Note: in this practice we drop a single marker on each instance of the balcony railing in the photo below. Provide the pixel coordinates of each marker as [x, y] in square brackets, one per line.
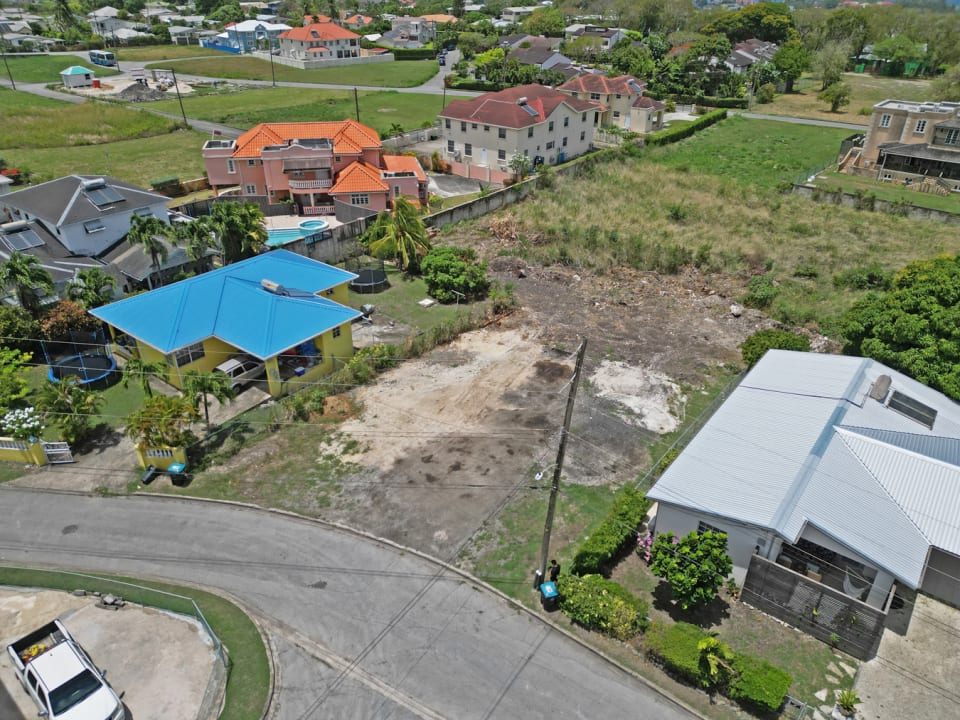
[318, 210]
[310, 184]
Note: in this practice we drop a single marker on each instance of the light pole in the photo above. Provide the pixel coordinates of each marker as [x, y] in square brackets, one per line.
[3, 52]
[176, 87]
[262, 35]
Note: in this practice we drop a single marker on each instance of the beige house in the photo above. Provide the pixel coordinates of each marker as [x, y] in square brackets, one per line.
[910, 143]
[624, 105]
[481, 136]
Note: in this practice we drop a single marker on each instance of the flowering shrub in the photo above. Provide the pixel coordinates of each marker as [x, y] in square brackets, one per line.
[600, 604]
[23, 423]
[644, 544]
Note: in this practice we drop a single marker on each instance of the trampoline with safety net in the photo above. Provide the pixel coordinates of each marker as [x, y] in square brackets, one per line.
[83, 357]
[371, 275]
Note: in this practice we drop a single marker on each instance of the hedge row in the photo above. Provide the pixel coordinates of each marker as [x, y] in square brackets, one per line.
[473, 84]
[411, 53]
[617, 531]
[711, 101]
[671, 136]
[755, 683]
[602, 605]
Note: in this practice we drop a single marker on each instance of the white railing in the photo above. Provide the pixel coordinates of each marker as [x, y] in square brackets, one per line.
[307, 184]
[318, 210]
[10, 444]
[159, 453]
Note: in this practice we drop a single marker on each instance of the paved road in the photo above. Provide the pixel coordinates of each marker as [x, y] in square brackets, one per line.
[802, 121]
[360, 629]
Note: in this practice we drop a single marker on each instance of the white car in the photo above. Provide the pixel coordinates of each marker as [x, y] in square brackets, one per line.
[241, 369]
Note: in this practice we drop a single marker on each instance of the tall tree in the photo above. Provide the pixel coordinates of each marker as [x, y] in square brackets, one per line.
[141, 371]
[28, 278]
[239, 228]
[830, 62]
[947, 86]
[399, 235]
[199, 387]
[836, 96]
[850, 26]
[791, 59]
[199, 238]
[63, 16]
[695, 566]
[92, 288]
[14, 385]
[150, 232]
[547, 21]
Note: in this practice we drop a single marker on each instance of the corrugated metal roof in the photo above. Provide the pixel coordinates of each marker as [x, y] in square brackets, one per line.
[800, 442]
[230, 304]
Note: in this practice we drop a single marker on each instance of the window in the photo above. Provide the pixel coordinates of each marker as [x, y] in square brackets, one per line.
[583, 135]
[501, 154]
[336, 332]
[251, 162]
[359, 199]
[564, 143]
[501, 133]
[594, 96]
[94, 226]
[618, 96]
[573, 94]
[550, 145]
[450, 146]
[250, 189]
[463, 127]
[583, 117]
[550, 126]
[473, 126]
[529, 132]
[885, 120]
[396, 191]
[446, 123]
[336, 158]
[704, 527]
[920, 127]
[566, 121]
[188, 354]
[952, 137]
[486, 128]
[616, 113]
[468, 149]
[231, 168]
[143, 212]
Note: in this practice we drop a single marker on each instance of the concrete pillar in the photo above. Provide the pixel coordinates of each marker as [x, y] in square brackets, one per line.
[880, 590]
[274, 384]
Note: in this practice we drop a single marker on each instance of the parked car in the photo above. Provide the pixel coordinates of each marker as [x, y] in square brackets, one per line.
[241, 369]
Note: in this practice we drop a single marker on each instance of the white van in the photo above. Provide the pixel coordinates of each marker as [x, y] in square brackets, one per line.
[241, 369]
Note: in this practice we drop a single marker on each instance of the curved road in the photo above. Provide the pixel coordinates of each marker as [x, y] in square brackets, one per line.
[360, 629]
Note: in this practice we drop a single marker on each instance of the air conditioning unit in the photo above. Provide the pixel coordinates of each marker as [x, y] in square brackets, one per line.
[503, 168]
[456, 156]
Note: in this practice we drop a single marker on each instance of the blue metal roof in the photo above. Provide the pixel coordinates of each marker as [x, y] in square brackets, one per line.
[76, 70]
[230, 304]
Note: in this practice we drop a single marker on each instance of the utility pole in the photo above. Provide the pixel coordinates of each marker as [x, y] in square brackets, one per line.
[356, 102]
[179, 99]
[558, 466]
[3, 51]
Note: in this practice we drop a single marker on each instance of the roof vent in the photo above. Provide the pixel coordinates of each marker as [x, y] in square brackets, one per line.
[521, 101]
[878, 390]
[273, 287]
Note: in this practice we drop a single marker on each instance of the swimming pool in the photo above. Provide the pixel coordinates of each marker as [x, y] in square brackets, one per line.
[282, 236]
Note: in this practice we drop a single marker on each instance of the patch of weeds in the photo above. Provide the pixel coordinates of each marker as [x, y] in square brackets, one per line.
[760, 292]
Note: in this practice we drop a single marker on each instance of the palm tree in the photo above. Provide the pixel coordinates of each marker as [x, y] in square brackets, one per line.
[63, 16]
[150, 232]
[161, 421]
[399, 235]
[70, 406]
[92, 288]
[28, 277]
[142, 371]
[715, 661]
[239, 228]
[198, 386]
[198, 239]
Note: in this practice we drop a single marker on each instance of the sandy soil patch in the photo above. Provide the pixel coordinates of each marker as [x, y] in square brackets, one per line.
[649, 395]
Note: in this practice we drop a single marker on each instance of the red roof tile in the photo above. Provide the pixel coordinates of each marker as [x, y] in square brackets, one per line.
[309, 19]
[604, 85]
[504, 108]
[403, 163]
[319, 31]
[359, 177]
[348, 136]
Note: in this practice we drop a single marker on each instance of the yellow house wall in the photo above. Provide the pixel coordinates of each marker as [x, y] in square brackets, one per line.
[25, 452]
[215, 352]
[339, 294]
[161, 458]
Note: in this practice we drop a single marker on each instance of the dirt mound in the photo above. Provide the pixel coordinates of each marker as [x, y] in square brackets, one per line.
[140, 93]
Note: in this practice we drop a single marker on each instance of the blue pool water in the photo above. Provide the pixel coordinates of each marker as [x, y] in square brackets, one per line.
[278, 237]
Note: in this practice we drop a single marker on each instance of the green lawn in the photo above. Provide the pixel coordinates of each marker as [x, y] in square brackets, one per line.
[248, 682]
[888, 191]
[756, 152]
[395, 74]
[152, 53]
[47, 68]
[247, 107]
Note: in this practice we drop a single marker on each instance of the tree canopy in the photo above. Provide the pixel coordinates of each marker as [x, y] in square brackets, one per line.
[915, 326]
[695, 566]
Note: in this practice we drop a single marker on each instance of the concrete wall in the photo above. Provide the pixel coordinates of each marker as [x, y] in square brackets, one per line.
[942, 577]
[327, 62]
[341, 245]
[851, 200]
[481, 206]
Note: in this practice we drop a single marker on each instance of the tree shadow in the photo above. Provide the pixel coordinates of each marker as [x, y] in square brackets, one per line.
[706, 617]
[100, 439]
[200, 452]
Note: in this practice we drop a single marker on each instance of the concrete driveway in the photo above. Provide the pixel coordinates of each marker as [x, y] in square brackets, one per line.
[915, 675]
[360, 628]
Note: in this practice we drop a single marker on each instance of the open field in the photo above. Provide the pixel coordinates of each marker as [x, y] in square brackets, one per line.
[245, 108]
[47, 68]
[395, 74]
[152, 53]
[887, 191]
[866, 91]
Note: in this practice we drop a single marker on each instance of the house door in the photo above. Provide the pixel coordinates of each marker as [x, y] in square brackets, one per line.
[626, 121]
[483, 156]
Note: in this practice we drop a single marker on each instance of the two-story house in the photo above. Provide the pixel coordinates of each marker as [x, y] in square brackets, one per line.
[911, 142]
[624, 104]
[247, 36]
[312, 165]
[409, 32]
[516, 15]
[605, 38]
[319, 41]
[481, 136]
[745, 54]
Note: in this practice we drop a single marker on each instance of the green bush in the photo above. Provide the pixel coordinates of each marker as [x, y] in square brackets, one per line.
[474, 84]
[602, 605]
[754, 347]
[453, 273]
[760, 292]
[766, 93]
[619, 528]
[676, 647]
[410, 53]
[757, 684]
[864, 277]
[666, 137]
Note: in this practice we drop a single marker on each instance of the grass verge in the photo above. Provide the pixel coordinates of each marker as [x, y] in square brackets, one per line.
[47, 68]
[395, 74]
[248, 682]
[152, 53]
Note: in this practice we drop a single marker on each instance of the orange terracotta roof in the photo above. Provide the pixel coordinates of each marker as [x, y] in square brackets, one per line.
[348, 136]
[403, 163]
[440, 18]
[319, 31]
[359, 177]
[309, 19]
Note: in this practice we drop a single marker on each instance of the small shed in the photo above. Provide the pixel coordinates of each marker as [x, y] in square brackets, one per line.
[77, 76]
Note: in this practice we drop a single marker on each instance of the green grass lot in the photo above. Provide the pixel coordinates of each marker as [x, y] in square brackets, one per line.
[866, 91]
[887, 191]
[247, 107]
[248, 682]
[395, 74]
[47, 68]
[152, 53]
[712, 199]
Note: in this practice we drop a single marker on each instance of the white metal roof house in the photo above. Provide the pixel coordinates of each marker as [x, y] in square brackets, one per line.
[838, 468]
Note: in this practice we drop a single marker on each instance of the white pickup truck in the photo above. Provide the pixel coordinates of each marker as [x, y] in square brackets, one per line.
[61, 678]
